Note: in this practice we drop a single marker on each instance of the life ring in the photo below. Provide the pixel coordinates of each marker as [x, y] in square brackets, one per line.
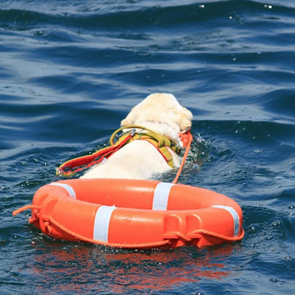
[135, 213]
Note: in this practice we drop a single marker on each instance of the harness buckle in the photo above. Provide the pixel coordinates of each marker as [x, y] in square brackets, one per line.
[132, 133]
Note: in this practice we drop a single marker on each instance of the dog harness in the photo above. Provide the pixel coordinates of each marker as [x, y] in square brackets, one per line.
[161, 142]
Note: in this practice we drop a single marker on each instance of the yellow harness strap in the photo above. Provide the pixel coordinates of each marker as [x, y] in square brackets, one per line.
[161, 142]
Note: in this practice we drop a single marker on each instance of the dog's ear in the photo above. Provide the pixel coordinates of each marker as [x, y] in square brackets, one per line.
[126, 122]
[185, 119]
[131, 117]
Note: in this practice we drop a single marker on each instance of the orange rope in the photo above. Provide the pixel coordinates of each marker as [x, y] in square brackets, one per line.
[27, 207]
[219, 236]
[190, 139]
[89, 240]
[207, 233]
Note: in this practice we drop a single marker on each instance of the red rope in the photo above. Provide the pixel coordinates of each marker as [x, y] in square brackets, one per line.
[190, 139]
[80, 163]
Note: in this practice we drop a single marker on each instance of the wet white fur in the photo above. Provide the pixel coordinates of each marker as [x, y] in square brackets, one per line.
[160, 112]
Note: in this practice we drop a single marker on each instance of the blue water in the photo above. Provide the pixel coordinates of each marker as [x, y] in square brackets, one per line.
[71, 70]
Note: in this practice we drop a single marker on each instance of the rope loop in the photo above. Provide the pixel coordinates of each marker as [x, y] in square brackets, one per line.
[24, 208]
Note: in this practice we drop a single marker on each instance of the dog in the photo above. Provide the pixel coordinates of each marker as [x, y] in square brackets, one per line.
[160, 113]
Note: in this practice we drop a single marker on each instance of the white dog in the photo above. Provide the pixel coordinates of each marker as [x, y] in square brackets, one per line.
[140, 159]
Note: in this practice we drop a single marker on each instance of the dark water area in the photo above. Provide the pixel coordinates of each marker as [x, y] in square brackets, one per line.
[69, 73]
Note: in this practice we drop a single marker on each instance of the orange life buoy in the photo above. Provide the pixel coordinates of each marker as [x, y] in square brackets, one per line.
[135, 213]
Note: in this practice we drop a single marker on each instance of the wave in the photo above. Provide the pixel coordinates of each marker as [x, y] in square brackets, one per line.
[141, 15]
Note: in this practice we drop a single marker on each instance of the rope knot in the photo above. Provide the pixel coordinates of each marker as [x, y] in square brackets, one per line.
[182, 236]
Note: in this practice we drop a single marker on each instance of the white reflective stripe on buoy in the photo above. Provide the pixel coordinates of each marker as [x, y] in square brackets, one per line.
[235, 216]
[68, 188]
[161, 195]
[102, 223]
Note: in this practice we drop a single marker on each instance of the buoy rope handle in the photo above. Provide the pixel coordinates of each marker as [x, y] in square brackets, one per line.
[50, 220]
[190, 139]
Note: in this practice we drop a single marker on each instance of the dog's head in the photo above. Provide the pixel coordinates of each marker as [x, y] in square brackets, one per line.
[160, 108]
